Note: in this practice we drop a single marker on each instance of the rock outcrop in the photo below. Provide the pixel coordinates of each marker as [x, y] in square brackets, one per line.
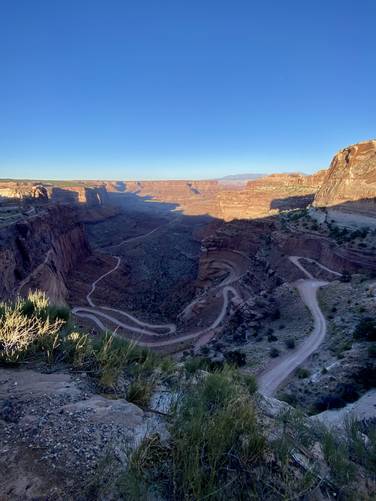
[259, 198]
[21, 190]
[268, 195]
[91, 193]
[92, 196]
[38, 252]
[350, 182]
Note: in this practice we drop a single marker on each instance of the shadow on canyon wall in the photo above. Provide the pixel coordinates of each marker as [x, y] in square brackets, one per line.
[332, 250]
[24, 243]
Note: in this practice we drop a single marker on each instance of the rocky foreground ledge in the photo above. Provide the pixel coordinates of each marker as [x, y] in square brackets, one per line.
[59, 439]
[55, 430]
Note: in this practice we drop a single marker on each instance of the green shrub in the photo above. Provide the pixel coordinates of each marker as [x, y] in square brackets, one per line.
[290, 343]
[139, 392]
[302, 373]
[36, 303]
[148, 473]
[58, 312]
[250, 382]
[193, 364]
[336, 455]
[366, 329]
[77, 348]
[112, 356]
[274, 353]
[290, 398]
[23, 334]
[215, 444]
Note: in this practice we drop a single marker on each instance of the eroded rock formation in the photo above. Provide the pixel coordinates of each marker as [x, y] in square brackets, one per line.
[261, 197]
[350, 182]
[39, 251]
[91, 193]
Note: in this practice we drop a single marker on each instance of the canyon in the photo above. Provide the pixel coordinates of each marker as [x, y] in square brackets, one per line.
[211, 273]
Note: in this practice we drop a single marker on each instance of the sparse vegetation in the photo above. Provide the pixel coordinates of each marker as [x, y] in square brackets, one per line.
[215, 444]
[139, 392]
[217, 447]
[290, 343]
[302, 373]
[32, 328]
[274, 352]
[23, 333]
[366, 329]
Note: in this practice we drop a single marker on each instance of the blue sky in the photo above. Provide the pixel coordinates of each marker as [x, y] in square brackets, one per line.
[116, 89]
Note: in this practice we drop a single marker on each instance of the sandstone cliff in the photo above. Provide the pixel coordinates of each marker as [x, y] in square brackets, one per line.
[92, 193]
[350, 182]
[259, 198]
[266, 196]
[93, 196]
[39, 251]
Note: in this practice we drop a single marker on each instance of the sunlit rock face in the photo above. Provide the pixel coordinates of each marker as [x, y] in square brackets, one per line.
[21, 190]
[258, 198]
[269, 195]
[350, 183]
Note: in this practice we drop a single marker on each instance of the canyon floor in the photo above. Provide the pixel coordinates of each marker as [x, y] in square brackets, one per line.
[285, 294]
[198, 287]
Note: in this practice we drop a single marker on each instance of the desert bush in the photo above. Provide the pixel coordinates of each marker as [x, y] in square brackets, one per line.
[22, 333]
[343, 394]
[326, 402]
[77, 348]
[194, 364]
[139, 391]
[290, 398]
[149, 470]
[215, 444]
[112, 356]
[58, 312]
[336, 455]
[167, 365]
[290, 343]
[365, 330]
[302, 373]
[250, 382]
[274, 353]
[37, 304]
[236, 358]
[361, 450]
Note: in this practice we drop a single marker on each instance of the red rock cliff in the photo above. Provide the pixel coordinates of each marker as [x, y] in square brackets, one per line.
[39, 251]
[350, 182]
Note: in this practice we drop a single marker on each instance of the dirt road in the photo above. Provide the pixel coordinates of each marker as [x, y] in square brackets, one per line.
[282, 367]
[162, 334]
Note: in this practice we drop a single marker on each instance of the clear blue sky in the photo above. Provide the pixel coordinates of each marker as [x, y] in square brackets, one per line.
[140, 89]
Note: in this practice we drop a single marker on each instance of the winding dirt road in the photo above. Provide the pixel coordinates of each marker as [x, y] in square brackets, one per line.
[162, 334]
[280, 369]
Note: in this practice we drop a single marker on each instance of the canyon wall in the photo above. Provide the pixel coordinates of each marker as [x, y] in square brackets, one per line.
[268, 195]
[93, 194]
[326, 251]
[259, 198]
[350, 182]
[39, 252]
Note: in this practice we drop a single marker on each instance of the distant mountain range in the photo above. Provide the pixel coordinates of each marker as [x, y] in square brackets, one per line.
[241, 177]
